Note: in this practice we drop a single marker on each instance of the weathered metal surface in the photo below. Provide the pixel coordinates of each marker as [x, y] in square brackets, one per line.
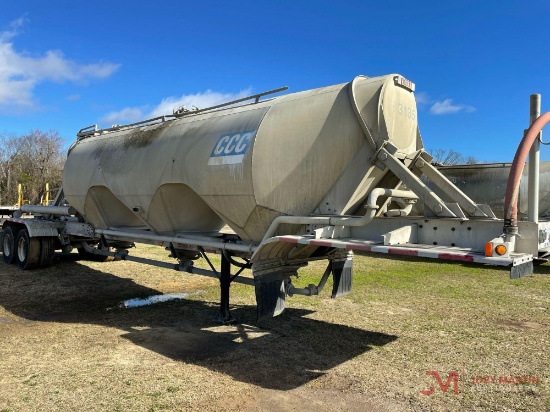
[466, 255]
[298, 154]
[486, 183]
[36, 227]
[51, 210]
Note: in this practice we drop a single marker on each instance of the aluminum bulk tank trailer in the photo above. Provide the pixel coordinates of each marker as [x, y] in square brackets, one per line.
[294, 155]
[300, 177]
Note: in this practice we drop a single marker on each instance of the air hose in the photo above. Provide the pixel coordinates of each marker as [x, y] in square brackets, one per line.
[514, 179]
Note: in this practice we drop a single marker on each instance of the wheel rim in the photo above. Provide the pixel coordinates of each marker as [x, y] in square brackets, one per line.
[6, 247]
[22, 249]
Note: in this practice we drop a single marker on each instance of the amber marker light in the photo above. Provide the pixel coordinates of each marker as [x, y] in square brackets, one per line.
[488, 249]
[501, 250]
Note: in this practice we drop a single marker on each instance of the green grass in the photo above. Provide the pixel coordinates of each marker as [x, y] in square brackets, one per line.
[446, 315]
[62, 350]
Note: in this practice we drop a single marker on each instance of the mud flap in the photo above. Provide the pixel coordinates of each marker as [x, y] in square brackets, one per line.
[342, 277]
[521, 270]
[270, 293]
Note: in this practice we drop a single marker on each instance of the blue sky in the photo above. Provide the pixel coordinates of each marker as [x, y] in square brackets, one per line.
[65, 65]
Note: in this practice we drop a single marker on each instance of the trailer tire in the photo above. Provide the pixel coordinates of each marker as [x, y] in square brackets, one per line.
[27, 250]
[8, 245]
[47, 252]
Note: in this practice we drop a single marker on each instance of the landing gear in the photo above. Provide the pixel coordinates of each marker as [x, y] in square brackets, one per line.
[225, 317]
[224, 275]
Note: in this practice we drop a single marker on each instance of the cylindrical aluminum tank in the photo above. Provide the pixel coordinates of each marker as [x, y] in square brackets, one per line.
[298, 154]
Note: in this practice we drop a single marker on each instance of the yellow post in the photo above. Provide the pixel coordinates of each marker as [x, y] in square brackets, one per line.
[19, 195]
[47, 196]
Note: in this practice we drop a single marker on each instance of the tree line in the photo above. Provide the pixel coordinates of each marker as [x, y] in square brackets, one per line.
[32, 160]
[450, 157]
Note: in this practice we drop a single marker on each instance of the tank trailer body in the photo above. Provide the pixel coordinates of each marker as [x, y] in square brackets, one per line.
[486, 182]
[306, 176]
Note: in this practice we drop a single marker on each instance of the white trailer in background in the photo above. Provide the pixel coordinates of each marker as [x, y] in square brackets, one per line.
[301, 177]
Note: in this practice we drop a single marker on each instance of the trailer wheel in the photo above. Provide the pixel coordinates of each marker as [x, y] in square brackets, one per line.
[47, 252]
[27, 250]
[8, 245]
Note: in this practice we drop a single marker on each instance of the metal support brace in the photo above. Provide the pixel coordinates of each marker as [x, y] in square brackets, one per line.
[205, 257]
[399, 185]
[225, 282]
[434, 202]
[449, 189]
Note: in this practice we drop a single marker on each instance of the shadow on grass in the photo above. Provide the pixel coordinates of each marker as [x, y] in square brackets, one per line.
[543, 269]
[281, 353]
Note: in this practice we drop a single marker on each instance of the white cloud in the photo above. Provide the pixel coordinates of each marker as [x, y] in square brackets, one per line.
[127, 115]
[422, 98]
[201, 100]
[20, 72]
[13, 31]
[447, 107]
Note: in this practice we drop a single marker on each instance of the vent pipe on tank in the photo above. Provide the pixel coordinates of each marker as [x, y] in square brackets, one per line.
[534, 163]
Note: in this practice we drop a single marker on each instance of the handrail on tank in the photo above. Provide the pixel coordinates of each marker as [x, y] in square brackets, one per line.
[371, 207]
[243, 99]
[83, 133]
[85, 130]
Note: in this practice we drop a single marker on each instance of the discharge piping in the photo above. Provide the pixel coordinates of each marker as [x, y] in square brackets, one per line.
[514, 179]
[49, 210]
[399, 212]
[371, 207]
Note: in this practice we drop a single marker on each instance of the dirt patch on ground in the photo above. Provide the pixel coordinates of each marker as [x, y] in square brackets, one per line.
[68, 345]
[522, 325]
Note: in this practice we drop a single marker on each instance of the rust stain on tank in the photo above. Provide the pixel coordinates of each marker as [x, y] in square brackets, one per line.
[143, 137]
[114, 151]
[137, 139]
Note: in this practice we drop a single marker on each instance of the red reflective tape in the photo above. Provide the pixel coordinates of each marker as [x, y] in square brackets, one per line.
[452, 256]
[405, 252]
[288, 239]
[352, 246]
[321, 243]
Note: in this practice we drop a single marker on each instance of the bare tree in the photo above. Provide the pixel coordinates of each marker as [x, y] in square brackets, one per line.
[7, 152]
[32, 160]
[449, 157]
